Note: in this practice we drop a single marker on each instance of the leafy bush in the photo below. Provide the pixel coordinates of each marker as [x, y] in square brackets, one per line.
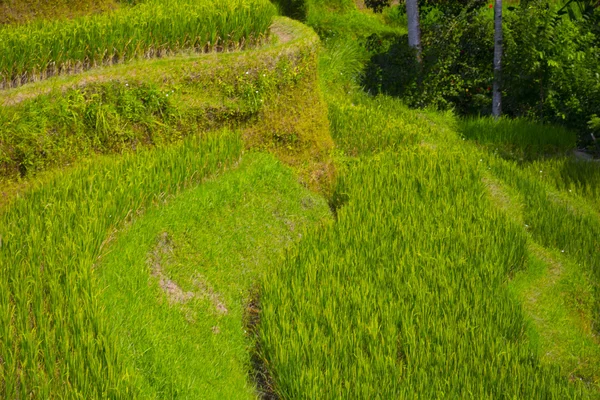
[550, 64]
[292, 8]
[377, 5]
[454, 73]
[551, 68]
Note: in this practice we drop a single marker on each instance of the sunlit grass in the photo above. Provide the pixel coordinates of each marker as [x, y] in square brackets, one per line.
[213, 241]
[150, 29]
[407, 292]
[55, 341]
[519, 139]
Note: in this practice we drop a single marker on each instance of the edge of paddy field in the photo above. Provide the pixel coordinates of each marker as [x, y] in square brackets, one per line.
[271, 94]
[222, 106]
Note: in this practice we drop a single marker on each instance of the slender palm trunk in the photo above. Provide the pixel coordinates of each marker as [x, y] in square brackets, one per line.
[414, 29]
[497, 94]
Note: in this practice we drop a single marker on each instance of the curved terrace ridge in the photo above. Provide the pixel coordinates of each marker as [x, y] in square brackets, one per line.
[282, 32]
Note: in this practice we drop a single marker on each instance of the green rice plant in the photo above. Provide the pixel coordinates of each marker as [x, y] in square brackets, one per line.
[54, 341]
[561, 211]
[152, 29]
[211, 242]
[271, 91]
[405, 295]
[577, 177]
[519, 139]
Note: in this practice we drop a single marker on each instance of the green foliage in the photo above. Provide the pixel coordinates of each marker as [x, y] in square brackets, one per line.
[519, 139]
[550, 65]
[271, 93]
[292, 8]
[152, 29]
[551, 68]
[594, 123]
[55, 337]
[426, 285]
[66, 346]
[406, 293]
[559, 217]
[211, 243]
[58, 128]
[350, 119]
[377, 5]
[451, 8]
[454, 73]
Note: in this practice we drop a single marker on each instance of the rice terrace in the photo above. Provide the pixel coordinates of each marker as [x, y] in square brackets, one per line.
[300, 199]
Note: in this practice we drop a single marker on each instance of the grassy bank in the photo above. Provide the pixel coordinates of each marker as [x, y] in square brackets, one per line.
[270, 93]
[191, 267]
[455, 268]
[23, 11]
[151, 29]
[409, 291]
[461, 260]
[55, 341]
[165, 120]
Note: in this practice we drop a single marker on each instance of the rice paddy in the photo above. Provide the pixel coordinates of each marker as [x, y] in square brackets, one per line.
[43, 49]
[444, 258]
[409, 294]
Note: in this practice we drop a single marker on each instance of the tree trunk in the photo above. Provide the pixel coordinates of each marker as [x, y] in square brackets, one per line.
[497, 94]
[414, 29]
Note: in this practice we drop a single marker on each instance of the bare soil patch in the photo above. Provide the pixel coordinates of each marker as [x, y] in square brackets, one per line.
[161, 255]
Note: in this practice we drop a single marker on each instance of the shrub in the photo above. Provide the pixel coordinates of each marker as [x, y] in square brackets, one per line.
[377, 5]
[292, 8]
[550, 65]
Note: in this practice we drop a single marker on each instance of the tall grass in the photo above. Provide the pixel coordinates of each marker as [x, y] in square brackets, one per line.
[153, 29]
[222, 235]
[53, 344]
[561, 211]
[405, 297]
[519, 138]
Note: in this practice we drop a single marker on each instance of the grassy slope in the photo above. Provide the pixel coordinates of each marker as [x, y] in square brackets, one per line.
[55, 339]
[445, 258]
[222, 236]
[460, 287]
[271, 93]
[64, 346]
[353, 330]
[19, 11]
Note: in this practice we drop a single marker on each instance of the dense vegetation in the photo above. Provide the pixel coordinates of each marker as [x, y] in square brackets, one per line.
[267, 223]
[21, 11]
[35, 51]
[154, 103]
[55, 341]
[409, 292]
[550, 62]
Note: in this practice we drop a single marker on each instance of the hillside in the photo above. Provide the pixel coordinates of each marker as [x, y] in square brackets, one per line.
[21, 11]
[245, 220]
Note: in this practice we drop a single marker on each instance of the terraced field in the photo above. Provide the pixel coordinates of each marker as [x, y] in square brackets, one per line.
[181, 221]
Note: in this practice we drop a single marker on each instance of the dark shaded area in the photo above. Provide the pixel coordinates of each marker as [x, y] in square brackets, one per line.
[260, 374]
[454, 72]
[295, 9]
[550, 64]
